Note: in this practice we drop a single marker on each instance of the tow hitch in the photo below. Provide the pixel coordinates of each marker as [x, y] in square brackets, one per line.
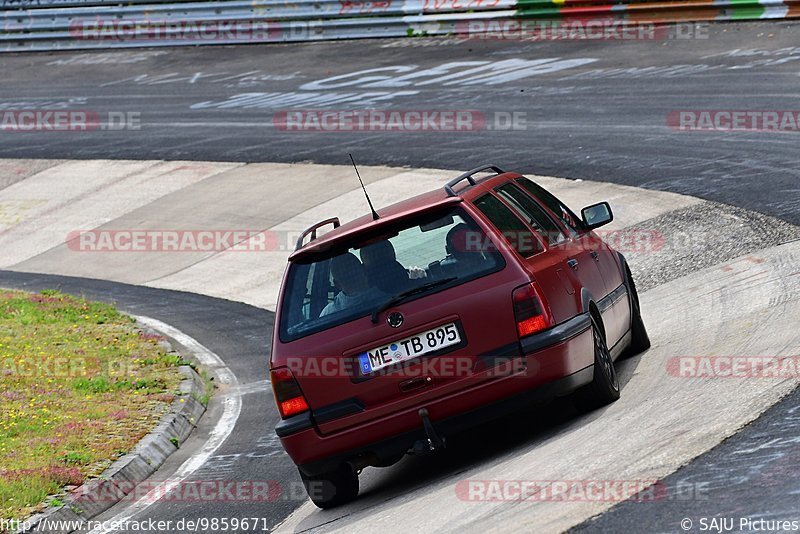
[434, 441]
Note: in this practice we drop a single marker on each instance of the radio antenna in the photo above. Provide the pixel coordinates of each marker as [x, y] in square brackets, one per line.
[375, 216]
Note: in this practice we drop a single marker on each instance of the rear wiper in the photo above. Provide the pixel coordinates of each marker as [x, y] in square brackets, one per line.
[400, 297]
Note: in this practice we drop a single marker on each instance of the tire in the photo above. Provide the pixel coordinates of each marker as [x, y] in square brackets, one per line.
[640, 341]
[604, 388]
[333, 488]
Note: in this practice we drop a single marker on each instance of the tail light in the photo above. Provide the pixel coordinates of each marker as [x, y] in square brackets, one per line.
[530, 310]
[287, 393]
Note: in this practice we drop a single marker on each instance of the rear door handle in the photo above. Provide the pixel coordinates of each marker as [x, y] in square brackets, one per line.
[573, 263]
[415, 383]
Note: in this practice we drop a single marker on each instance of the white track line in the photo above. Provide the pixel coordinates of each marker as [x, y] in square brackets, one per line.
[232, 407]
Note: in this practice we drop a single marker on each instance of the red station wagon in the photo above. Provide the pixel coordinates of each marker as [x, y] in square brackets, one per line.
[439, 313]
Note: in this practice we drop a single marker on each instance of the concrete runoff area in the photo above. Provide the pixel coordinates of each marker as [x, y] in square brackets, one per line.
[663, 234]
[279, 198]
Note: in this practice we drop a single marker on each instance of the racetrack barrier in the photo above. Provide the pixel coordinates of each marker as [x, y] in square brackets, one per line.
[85, 24]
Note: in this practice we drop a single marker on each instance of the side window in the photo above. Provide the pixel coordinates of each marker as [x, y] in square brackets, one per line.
[513, 229]
[560, 210]
[533, 213]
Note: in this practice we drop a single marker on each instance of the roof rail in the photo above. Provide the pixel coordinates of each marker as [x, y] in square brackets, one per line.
[313, 230]
[468, 176]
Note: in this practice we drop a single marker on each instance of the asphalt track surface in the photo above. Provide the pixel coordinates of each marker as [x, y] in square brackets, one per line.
[754, 475]
[594, 110]
[604, 119]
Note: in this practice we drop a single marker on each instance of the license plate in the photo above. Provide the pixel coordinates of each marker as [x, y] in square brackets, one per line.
[409, 348]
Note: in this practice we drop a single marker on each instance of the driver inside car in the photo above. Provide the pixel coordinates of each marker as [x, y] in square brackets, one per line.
[384, 271]
[463, 256]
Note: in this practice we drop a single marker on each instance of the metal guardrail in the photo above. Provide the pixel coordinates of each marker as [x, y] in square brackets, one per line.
[239, 10]
[87, 24]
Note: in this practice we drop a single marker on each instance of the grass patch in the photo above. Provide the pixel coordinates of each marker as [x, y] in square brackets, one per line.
[208, 382]
[79, 386]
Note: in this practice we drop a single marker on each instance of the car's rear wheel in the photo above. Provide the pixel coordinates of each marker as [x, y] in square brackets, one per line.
[332, 488]
[640, 341]
[604, 388]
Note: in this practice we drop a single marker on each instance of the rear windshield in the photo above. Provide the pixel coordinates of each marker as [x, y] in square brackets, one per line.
[351, 282]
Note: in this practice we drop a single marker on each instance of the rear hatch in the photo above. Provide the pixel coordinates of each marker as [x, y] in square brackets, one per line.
[394, 318]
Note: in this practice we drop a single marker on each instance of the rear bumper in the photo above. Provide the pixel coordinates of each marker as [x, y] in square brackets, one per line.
[402, 443]
[558, 361]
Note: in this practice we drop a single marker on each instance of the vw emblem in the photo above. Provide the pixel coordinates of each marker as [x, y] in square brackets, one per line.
[395, 319]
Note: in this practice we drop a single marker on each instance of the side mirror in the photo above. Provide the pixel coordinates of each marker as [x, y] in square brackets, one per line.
[597, 215]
